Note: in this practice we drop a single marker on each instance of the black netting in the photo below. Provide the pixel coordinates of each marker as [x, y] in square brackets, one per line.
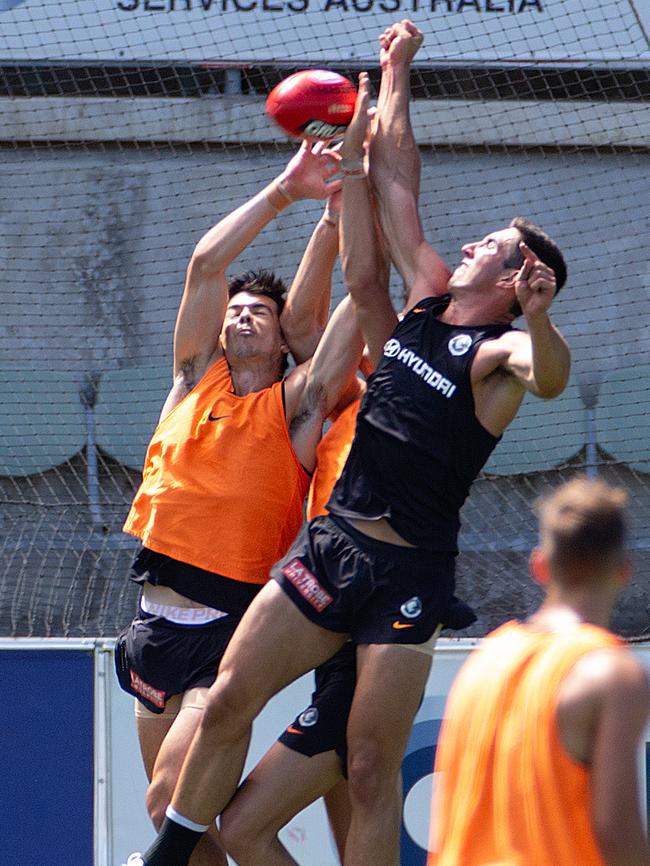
[127, 129]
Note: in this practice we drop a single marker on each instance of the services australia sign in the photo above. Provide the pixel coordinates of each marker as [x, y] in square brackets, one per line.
[309, 31]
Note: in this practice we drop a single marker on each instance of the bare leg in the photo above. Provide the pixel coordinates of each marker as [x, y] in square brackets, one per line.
[390, 682]
[337, 803]
[164, 741]
[152, 730]
[273, 645]
[281, 785]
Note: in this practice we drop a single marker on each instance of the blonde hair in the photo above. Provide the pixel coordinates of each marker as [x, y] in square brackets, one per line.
[583, 526]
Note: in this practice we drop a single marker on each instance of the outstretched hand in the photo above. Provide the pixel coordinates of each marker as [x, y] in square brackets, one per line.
[356, 134]
[535, 284]
[309, 172]
[400, 43]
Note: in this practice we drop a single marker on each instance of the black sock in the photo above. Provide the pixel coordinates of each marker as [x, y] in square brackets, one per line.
[173, 846]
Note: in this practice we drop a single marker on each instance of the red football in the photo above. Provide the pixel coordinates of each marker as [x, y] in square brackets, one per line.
[314, 103]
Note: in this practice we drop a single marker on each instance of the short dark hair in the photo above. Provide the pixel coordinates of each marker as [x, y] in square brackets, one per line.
[260, 282]
[544, 248]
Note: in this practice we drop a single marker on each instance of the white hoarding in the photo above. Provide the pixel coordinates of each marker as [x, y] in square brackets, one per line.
[319, 31]
[307, 835]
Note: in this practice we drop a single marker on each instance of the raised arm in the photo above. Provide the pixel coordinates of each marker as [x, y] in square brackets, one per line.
[364, 267]
[542, 362]
[202, 309]
[314, 389]
[395, 169]
[304, 317]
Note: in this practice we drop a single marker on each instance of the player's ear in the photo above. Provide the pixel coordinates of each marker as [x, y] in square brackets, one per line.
[508, 279]
[538, 565]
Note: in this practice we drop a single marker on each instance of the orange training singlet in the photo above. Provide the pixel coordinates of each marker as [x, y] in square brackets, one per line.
[508, 793]
[331, 454]
[222, 488]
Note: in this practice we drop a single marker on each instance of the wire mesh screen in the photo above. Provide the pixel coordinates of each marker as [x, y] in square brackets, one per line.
[128, 128]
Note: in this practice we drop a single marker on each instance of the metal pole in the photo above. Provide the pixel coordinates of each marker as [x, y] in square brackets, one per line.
[591, 455]
[232, 81]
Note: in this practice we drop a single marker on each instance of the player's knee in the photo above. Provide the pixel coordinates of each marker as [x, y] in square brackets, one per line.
[228, 710]
[369, 773]
[242, 841]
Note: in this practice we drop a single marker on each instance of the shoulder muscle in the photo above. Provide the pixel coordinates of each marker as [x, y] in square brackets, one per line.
[603, 686]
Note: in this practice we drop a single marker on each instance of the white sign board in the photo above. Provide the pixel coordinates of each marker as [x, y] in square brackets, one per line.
[323, 31]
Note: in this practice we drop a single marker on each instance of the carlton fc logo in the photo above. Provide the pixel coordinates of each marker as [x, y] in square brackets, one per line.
[309, 717]
[460, 344]
[411, 608]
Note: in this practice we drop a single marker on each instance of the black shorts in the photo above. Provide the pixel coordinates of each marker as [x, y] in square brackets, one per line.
[377, 593]
[156, 659]
[322, 726]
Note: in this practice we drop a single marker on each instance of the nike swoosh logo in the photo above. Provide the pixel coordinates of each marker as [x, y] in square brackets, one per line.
[398, 624]
[212, 417]
[292, 730]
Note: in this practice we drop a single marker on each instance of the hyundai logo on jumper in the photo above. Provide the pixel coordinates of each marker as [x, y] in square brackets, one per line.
[393, 349]
[5, 5]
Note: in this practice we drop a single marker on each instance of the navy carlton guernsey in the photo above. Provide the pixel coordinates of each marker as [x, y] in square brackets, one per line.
[418, 445]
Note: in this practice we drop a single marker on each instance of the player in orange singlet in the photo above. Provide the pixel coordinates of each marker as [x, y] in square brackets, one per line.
[537, 758]
[209, 540]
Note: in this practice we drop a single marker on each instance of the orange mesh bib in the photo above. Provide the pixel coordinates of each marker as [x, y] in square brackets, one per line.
[222, 488]
[507, 793]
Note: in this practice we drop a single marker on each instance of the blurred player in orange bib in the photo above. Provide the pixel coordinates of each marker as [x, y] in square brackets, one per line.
[537, 764]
